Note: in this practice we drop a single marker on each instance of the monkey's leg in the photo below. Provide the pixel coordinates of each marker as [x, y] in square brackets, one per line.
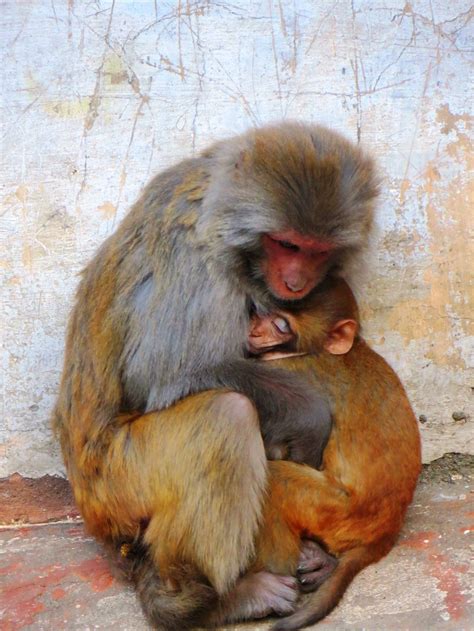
[211, 482]
[291, 511]
[197, 472]
[323, 601]
[304, 502]
[301, 503]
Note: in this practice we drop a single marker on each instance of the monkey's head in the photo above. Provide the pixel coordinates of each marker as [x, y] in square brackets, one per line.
[285, 205]
[329, 321]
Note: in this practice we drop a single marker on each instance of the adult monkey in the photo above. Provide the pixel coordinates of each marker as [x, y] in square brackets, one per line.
[257, 221]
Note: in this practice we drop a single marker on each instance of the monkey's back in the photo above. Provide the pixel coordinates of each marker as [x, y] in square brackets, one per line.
[373, 457]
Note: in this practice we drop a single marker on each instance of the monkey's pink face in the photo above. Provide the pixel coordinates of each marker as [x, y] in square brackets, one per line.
[293, 264]
[267, 332]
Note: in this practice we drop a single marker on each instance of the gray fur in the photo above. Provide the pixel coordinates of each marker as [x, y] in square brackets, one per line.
[185, 266]
[163, 311]
[179, 322]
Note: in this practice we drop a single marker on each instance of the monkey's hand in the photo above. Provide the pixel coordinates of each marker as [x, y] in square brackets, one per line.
[293, 415]
[304, 440]
[315, 566]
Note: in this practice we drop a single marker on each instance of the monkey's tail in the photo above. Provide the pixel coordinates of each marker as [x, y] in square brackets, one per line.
[322, 602]
[167, 609]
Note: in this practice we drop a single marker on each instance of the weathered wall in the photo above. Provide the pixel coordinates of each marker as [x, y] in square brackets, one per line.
[100, 95]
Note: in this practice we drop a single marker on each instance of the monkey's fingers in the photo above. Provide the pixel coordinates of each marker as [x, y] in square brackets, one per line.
[257, 595]
[315, 566]
[274, 593]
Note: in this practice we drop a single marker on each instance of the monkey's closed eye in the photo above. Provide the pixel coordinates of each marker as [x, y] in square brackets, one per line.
[282, 325]
[287, 245]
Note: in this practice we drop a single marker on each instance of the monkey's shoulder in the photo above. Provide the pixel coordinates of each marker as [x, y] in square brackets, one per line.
[174, 196]
[362, 369]
[362, 358]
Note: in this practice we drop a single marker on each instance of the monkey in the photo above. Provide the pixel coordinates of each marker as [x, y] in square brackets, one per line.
[329, 327]
[353, 485]
[354, 507]
[251, 224]
[283, 442]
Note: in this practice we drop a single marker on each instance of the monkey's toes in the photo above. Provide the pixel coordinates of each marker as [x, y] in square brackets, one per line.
[274, 593]
[310, 550]
[315, 566]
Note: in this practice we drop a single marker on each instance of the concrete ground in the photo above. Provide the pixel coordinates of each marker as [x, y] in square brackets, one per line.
[53, 576]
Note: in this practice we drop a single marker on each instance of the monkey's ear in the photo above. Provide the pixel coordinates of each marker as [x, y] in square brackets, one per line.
[341, 337]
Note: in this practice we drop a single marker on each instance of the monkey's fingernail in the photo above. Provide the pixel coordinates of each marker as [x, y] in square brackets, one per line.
[301, 569]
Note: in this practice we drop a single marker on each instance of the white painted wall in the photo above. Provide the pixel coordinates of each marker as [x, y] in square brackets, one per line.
[99, 95]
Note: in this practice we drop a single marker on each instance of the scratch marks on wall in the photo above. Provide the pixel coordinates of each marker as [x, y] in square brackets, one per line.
[101, 95]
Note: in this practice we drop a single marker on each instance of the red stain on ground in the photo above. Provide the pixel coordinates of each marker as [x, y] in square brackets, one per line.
[20, 605]
[77, 531]
[21, 601]
[442, 569]
[58, 593]
[448, 581]
[24, 532]
[454, 505]
[96, 572]
[420, 540]
[9, 569]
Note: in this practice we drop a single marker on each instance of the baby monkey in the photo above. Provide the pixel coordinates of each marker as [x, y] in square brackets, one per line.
[329, 322]
[284, 335]
[354, 507]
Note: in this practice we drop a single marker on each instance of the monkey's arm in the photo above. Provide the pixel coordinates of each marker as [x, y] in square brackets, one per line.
[295, 419]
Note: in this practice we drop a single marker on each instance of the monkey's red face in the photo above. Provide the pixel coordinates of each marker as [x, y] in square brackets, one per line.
[293, 264]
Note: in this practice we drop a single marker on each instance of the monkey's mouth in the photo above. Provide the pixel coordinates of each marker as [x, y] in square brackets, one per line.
[296, 294]
[289, 295]
[263, 349]
[280, 355]
[259, 348]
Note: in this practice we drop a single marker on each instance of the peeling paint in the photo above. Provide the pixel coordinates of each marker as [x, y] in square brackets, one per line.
[449, 120]
[108, 209]
[67, 109]
[98, 97]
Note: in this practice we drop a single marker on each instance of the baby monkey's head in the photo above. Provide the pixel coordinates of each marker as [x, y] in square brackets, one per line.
[328, 321]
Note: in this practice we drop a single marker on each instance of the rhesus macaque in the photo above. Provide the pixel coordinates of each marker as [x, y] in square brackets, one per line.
[356, 504]
[160, 326]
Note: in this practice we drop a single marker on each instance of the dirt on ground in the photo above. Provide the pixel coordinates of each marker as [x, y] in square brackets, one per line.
[449, 468]
[35, 500]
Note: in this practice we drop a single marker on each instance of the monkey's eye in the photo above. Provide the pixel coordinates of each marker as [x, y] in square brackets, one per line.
[282, 325]
[288, 246]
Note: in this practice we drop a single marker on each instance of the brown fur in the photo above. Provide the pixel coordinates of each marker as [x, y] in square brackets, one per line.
[357, 503]
[145, 334]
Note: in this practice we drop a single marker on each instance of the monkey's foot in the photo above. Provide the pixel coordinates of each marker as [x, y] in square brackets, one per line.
[259, 595]
[315, 566]
[272, 593]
